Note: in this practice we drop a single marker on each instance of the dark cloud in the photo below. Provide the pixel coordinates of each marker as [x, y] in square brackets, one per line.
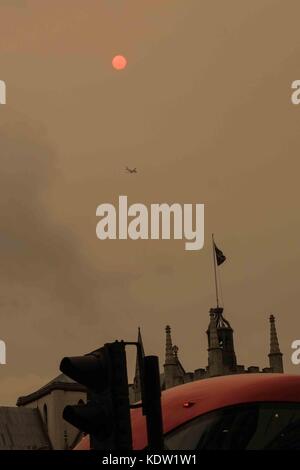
[49, 290]
[34, 249]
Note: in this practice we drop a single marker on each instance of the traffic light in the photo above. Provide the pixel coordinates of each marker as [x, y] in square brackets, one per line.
[106, 415]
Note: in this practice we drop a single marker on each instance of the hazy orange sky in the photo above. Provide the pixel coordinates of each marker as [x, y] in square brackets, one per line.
[203, 111]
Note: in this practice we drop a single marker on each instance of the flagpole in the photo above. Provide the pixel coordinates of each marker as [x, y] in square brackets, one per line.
[215, 270]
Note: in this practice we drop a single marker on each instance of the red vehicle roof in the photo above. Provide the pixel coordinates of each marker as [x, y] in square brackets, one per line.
[183, 403]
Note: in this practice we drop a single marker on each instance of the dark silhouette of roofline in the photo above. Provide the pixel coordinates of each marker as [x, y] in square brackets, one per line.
[73, 387]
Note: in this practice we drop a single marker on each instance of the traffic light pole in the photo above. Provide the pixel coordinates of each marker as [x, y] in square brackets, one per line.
[152, 403]
[120, 397]
[106, 415]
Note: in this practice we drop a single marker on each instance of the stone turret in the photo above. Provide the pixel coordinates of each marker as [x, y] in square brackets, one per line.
[225, 341]
[275, 355]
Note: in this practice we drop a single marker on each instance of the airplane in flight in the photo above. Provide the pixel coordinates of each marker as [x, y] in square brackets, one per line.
[131, 170]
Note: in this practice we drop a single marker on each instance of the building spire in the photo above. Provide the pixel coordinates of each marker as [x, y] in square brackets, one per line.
[140, 341]
[170, 357]
[275, 355]
[274, 344]
[137, 377]
[174, 372]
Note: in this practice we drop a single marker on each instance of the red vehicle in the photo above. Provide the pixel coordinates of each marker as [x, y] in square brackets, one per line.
[249, 411]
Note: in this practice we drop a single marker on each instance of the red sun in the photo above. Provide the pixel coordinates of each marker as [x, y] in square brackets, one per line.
[119, 62]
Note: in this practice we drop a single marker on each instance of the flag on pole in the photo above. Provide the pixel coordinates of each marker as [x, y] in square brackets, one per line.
[220, 257]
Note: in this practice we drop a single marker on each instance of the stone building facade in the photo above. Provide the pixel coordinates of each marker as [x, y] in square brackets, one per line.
[221, 356]
[49, 402]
